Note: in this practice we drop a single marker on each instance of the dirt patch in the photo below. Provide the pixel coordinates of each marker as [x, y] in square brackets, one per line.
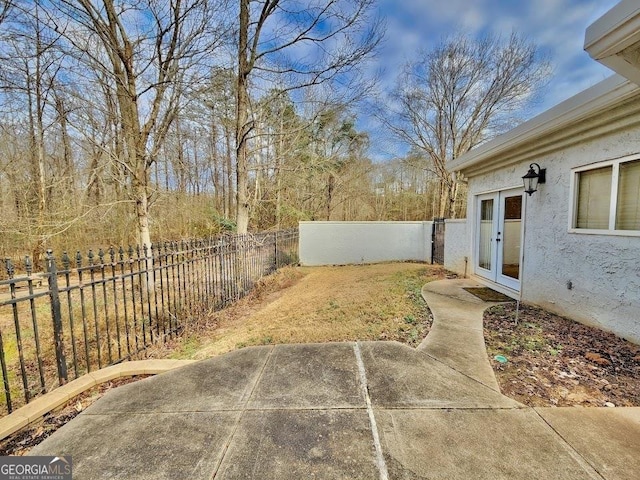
[554, 361]
[22, 441]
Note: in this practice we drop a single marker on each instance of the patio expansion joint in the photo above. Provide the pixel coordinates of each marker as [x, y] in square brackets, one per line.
[587, 466]
[380, 461]
[243, 409]
[303, 409]
[452, 408]
[425, 352]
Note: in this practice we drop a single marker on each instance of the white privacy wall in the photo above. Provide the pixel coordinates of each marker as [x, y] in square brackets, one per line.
[604, 270]
[456, 246]
[344, 243]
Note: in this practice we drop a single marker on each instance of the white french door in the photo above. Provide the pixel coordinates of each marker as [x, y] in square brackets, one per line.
[499, 231]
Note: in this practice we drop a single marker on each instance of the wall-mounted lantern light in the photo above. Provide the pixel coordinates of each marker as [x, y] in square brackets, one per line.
[533, 178]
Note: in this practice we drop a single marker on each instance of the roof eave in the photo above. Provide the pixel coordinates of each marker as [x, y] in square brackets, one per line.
[609, 39]
[614, 31]
[590, 103]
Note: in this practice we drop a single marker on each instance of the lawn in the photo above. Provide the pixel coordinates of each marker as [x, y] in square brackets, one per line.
[308, 305]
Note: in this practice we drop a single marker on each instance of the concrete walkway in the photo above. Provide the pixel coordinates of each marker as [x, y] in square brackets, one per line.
[370, 410]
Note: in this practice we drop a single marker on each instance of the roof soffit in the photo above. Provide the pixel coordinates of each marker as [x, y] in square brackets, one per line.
[614, 39]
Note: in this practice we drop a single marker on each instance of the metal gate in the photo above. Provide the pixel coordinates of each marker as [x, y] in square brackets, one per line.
[437, 241]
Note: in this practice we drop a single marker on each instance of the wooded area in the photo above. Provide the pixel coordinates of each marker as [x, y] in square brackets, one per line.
[137, 122]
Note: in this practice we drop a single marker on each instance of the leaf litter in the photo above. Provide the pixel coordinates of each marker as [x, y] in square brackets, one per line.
[555, 361]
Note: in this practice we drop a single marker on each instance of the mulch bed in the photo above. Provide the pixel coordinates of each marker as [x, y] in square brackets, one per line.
[554, 361]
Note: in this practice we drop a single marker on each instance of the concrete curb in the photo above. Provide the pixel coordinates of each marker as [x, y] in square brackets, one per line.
[46, 403]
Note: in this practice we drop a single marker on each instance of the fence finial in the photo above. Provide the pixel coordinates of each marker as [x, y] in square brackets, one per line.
[66, 261]
[8, 265]
[28, 265]
[49, 259]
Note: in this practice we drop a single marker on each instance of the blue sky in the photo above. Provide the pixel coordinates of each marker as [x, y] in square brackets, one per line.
[556, 26]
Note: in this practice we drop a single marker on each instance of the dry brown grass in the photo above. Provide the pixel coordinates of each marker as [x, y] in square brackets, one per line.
[307, 305]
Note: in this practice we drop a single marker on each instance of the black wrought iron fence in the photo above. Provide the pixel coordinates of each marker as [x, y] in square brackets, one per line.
[87, 312]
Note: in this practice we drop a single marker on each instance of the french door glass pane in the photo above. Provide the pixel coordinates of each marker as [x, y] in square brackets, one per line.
[594, 198]
[511, 236]
[628, 211]
[486, 230]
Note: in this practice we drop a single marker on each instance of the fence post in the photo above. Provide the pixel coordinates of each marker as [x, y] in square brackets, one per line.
[275, 251]
[56, 315]
[5, 377]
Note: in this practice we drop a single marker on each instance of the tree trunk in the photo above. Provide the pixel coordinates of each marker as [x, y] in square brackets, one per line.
[278, 176]
[242, 128]
[242, 175]
[443, 196]
[228, 199]
[67, 156]
[276, 171]
[36, 126]
[453, 195]
[330, 187]
[142, 211]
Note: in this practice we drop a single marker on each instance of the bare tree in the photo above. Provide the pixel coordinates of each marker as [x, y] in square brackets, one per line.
[461, 94]
[5, 8]
[32, 63]
[335, 36]
[218, 97]
[150, 50]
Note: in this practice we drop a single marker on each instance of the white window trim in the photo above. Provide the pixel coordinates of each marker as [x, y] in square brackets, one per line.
[573, 211]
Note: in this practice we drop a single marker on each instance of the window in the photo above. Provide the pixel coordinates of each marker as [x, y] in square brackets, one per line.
[628, 212]
[594, 198]
[607, 197]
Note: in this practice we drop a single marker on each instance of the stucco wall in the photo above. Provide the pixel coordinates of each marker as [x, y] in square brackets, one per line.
[343, 243]
[456, 252]
[604, 270]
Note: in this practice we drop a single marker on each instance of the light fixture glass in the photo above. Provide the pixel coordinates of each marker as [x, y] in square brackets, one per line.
[533, 178]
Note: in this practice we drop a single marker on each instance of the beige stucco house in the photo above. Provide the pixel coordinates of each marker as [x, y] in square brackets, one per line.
[572, 246]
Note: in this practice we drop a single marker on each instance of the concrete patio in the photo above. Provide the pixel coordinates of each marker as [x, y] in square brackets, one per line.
[363, 410]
